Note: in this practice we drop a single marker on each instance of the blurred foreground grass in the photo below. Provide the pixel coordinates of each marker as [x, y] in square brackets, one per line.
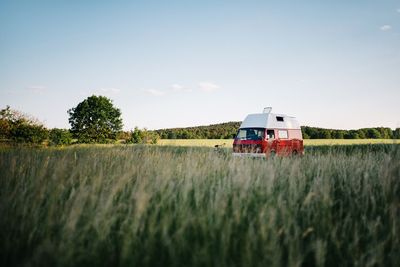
[175, 206]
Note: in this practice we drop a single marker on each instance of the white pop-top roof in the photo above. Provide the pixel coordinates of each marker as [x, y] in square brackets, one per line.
[270, 121]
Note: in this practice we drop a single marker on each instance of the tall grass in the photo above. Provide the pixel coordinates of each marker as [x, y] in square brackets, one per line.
[165, 206]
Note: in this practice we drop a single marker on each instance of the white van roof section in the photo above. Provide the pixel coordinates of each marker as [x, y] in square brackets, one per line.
[270, 121]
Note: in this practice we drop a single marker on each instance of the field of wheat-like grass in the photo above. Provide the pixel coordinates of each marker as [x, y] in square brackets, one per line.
[175, 206]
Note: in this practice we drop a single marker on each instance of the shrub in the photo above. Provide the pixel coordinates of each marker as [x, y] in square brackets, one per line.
[20, 127]
[144, 136]
[28, 133]
[5, 129]
[60, 137]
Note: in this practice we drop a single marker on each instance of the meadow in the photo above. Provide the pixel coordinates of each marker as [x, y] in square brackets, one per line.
[138, 205]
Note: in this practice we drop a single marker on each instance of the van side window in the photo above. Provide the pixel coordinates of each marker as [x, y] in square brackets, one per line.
[278, 118]
[283, 134]
[270, 134]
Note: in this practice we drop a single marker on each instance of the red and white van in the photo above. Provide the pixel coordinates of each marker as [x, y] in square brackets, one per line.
[265, 134]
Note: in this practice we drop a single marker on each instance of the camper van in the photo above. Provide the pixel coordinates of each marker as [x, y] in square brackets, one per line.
[267, 134]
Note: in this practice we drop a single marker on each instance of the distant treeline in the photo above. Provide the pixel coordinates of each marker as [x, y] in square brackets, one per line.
[225, 130]
[373, 133]
[17, 127]
[228, 130]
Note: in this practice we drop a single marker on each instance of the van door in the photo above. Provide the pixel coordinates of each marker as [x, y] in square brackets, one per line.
[271, 142]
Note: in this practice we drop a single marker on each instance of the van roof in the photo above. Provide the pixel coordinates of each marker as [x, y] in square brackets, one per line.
[270, 121]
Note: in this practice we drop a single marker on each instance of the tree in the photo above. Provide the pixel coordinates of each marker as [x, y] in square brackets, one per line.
[373, 133]
[337, 134]
[352, 134]
[171, 135]
[324, 134]
[396, 133]
[95, 120]
[386, 133]
[305, 135]
[362, 133]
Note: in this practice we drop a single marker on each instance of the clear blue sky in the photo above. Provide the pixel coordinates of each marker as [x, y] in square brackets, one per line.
[333, 64]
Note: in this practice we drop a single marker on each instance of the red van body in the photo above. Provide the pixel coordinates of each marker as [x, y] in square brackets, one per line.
[265, 134]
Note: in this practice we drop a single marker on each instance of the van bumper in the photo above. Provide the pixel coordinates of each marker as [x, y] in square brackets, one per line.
[249, 155]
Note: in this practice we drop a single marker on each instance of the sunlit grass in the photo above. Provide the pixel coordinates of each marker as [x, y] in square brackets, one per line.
[320, 142]
[174, 206]
[195, 142]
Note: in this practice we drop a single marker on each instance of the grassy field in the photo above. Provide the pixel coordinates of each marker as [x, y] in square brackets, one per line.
[307, 142]
[175, 206]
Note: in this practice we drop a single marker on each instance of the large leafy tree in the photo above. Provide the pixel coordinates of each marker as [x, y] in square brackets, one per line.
[95, 120]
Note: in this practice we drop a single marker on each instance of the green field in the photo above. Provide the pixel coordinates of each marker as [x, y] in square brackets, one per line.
[175, 206]
[307, 142]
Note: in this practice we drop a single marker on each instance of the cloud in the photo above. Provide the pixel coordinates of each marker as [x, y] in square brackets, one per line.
[155, 92]
[37, 89]
[208, 86]
[386, 28]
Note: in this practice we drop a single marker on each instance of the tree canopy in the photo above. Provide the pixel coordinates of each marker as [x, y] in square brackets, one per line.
[95, 120]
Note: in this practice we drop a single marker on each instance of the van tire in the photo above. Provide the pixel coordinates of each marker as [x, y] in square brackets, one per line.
[294, 153]
[272, 154]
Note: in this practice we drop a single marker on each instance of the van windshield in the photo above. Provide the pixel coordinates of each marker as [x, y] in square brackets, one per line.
[250, 134]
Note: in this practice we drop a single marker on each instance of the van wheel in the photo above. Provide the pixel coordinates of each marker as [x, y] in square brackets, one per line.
[294, 153]
[272, 154]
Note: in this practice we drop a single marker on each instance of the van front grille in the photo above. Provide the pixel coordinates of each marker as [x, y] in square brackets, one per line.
[251, 148]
